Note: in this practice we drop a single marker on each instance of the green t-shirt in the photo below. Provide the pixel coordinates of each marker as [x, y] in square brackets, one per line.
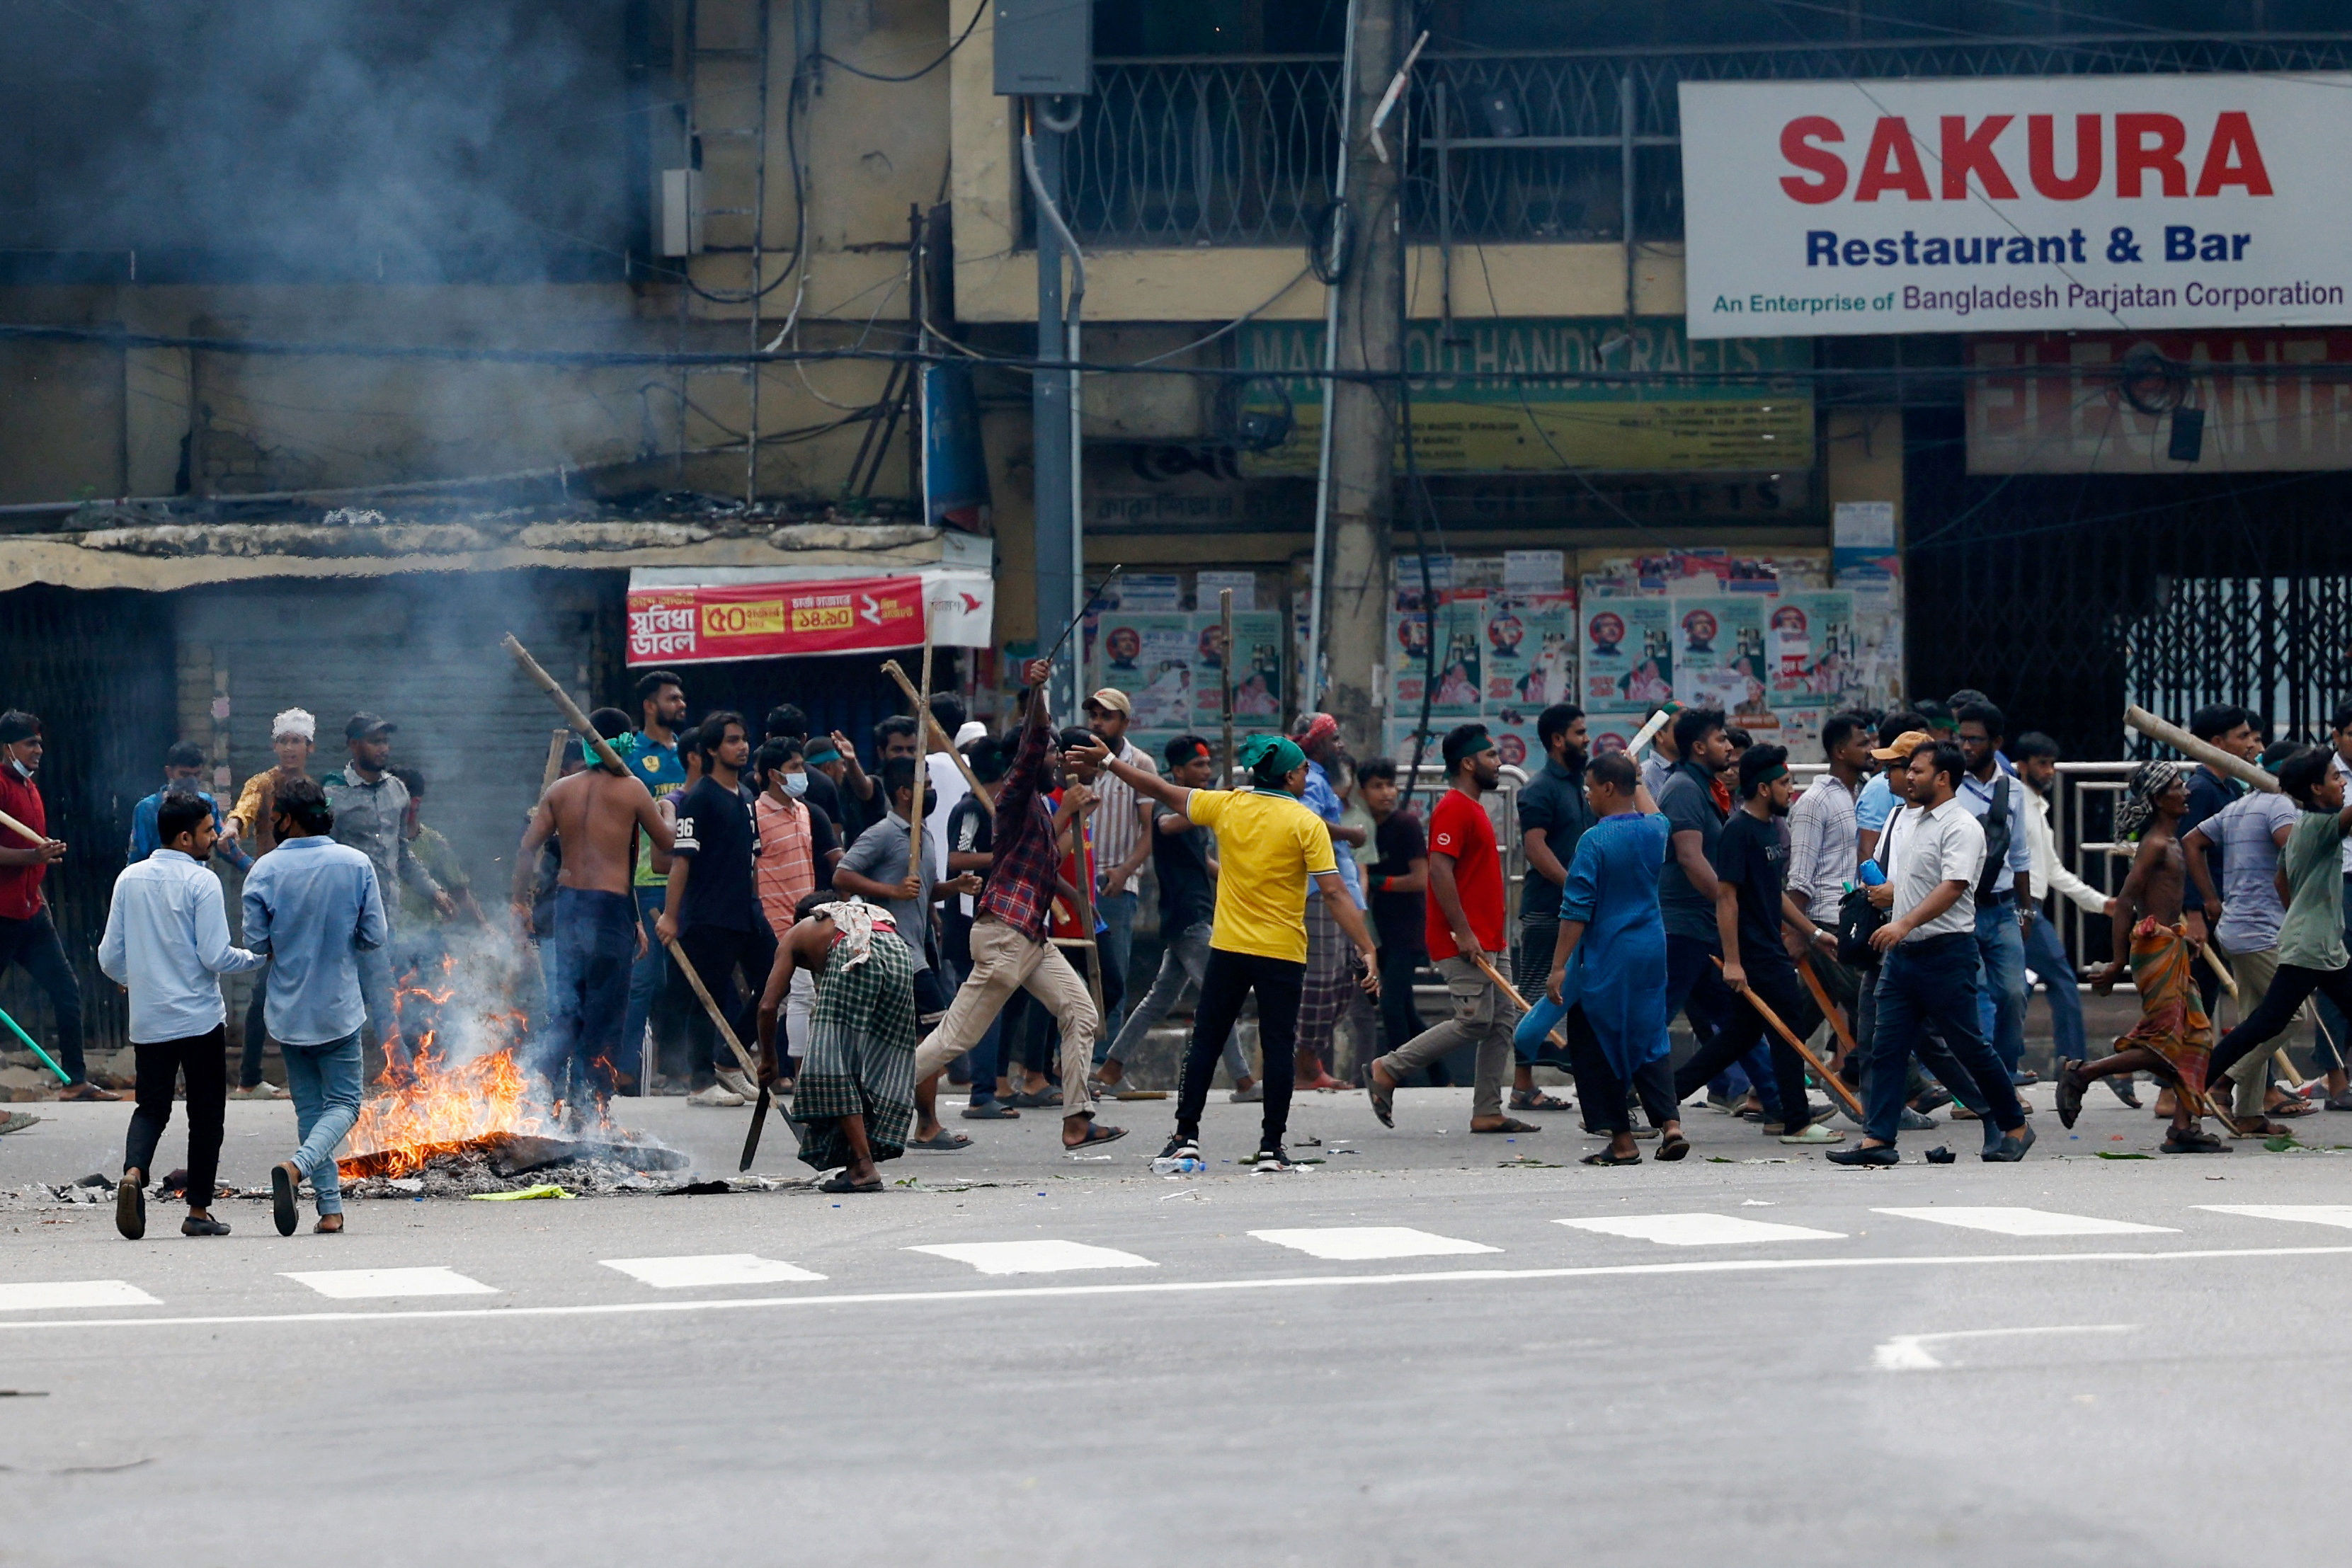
[2312, 936]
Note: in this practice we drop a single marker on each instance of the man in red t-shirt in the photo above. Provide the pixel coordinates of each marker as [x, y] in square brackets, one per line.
[27, 936]
[1464, 927]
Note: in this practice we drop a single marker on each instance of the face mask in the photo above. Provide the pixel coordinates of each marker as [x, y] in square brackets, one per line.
[22, 771]
[796, 785]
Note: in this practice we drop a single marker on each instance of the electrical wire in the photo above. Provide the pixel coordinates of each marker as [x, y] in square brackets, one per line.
[977, 12]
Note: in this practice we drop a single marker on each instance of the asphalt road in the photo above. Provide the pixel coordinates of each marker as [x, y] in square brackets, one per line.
[1411, 1353]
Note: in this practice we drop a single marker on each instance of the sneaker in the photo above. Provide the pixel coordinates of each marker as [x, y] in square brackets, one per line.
[717, 1094]
[1253, 1095]
[1180, 1147]
[732, 1079]
[1813, 1134]
[264, 1089]
[1272, 1162]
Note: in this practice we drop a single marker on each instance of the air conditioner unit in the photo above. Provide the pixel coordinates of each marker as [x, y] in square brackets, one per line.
[677, 212]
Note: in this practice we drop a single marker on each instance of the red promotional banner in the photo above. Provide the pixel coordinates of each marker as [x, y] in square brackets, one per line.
[773, 620]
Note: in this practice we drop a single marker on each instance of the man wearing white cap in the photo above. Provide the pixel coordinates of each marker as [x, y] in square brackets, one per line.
[292, 735]
[1122, 834]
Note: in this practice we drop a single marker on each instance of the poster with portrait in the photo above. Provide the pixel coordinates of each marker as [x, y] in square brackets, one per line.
[1458, 626]
[1719, 652]
[1257, 669]
[1627, 654]
[1164, 661]
[1530, 650]
[1816, 651]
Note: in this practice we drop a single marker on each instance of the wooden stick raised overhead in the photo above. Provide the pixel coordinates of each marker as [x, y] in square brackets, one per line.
[987, 800]
[572, 714]
[2204, 751]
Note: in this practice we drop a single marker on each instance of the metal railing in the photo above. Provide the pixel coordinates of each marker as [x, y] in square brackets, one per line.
[1237, 149]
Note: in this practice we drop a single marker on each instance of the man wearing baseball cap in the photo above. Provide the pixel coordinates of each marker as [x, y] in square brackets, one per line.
[1122, 841]
[371, 808]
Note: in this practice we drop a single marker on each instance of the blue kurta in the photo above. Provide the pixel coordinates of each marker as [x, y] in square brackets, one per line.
[1618, 974]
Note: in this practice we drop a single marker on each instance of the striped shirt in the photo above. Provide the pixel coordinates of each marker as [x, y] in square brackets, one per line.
[1117, 826]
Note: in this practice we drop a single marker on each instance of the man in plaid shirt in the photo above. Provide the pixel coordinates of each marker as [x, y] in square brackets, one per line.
[1010, 949]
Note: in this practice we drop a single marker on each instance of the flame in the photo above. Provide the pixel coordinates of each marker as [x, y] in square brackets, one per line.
[447, 1105]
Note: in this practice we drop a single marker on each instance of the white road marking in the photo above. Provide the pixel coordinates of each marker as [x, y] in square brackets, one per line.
[709, 1268]
[53, 1295]
[1193, 1287]
[359, 1284]
[1700, 1229]
[1034, 1257]
[1364, 1243]
[2028, 1222]
[1906, 1351]
[2338, 1215]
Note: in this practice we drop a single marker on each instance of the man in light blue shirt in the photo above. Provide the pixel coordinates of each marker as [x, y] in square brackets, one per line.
[166, 942]
[1328, 985]
[314, 906]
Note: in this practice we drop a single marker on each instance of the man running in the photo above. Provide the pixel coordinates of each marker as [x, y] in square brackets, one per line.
[2173, 1039]
[1270, 847]
[594, 814]
[1464, 931]
[1009, 946]
[2311, 948]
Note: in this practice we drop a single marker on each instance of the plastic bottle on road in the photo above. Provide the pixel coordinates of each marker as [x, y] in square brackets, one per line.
[1169, 1166]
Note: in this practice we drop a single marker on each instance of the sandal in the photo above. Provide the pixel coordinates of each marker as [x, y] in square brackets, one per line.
[2187, 1141]
[2070, 1092]
[939, 1143]
[1096, 1134]
[1035, 1099]
[994, 1110]
[1509, 1125]
[1675, 1146]
[2259, 1127]
[1383, 1100]
[1603, 1157]
[1536, 1100]
[841, 1183]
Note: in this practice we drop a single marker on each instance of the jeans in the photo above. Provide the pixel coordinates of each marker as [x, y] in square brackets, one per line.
[2000, 977]
[1778, 986]
[34, 945]
[325, 1083]
[648, 993]
[1186, 960]
[1115, 945]
[1483, 1019]
[2290, 988]
[1227, 983]
[717, 952]
[2046, 956]
[588, 964]
[1695, 987]
[204, 1059]
[1930, 982]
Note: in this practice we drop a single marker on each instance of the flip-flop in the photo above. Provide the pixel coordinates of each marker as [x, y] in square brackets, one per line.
[1536, 1100]
[1509, 1125]
[1603, 1157]
[2070, 1093]
[130, 1209]
[1383, 1102]
[994, 1110]
[1674, 1148]
[16, 1122]
[281, 1199]
[842, 1183]
[2193, 1143]
[1096, 1134]
[1035, 1099]
[939, 1143]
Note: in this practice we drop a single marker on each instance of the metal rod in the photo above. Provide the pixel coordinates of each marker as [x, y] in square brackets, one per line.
[31, 1045]
[1626, 178]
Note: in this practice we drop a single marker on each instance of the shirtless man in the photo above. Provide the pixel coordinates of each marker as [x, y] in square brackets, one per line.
[2173, 1039]
[594, 815]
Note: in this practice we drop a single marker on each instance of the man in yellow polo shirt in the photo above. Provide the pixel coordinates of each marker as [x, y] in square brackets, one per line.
[1268, 845]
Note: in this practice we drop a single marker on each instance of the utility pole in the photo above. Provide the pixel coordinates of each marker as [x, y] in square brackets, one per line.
[1049, 412]
[1363, 417]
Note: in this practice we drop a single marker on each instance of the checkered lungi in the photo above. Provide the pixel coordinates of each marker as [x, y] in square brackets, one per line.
[1323, 997]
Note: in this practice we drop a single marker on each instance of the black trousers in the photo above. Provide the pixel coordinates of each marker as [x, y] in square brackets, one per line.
[1400, 1016]
[203, 1059]
[1600, 1093]
[34, 945]
[1784, 992]
[1227, 983]
[2289, 989]
[717, 952]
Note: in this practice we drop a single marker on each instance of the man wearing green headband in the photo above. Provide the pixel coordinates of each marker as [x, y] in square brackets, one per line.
[1270, 847]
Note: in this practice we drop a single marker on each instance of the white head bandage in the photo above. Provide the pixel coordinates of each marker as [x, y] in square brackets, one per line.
[294, 722]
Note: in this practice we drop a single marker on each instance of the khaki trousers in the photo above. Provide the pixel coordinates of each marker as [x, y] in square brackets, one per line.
[1483, 1018]
[1004, 961]
[2250, 1077]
